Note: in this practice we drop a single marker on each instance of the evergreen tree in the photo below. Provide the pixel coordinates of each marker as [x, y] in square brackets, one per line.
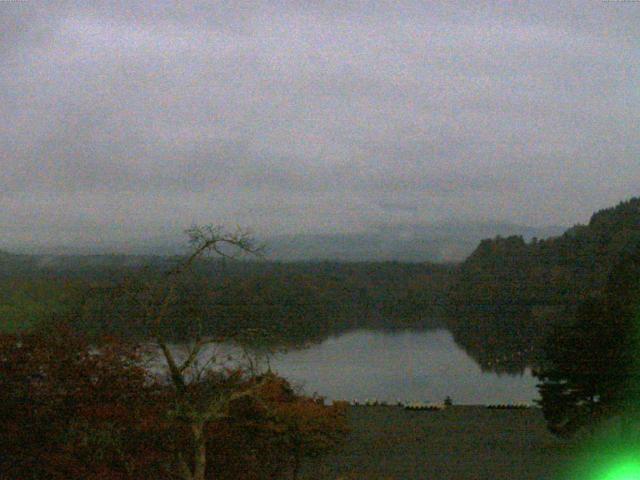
[590, 367]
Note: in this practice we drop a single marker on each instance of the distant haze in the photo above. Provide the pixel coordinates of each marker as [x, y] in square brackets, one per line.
[445, 242]
[124, 122]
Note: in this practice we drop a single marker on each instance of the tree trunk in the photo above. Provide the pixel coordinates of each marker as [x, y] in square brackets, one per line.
[184, 472]
[296, 464]
[200, 451]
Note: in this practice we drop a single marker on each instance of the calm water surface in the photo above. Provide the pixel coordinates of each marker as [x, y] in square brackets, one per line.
[411, 366]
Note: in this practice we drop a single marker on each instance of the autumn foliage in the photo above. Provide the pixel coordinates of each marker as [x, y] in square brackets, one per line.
[69, 410]
[266, 436]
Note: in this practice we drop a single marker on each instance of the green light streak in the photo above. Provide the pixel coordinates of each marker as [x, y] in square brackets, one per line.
[609, 447]
[625, 470]
[612, 451]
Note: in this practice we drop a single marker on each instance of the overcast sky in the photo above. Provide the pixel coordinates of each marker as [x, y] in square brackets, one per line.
[128, 120]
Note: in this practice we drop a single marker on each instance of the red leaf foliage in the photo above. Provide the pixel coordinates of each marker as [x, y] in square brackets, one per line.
[69, 410]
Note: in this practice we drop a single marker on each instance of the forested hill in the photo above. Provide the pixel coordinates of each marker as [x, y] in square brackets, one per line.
[510, 271]
[11, 264]
[298, 301]
[516, 289]
[501, 300]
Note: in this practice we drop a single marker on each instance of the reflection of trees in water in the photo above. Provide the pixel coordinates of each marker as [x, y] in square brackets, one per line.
[289, 304]
[495, 353]
[275, 328]
[286, 315]
[264, 324]
[505, 341]
[502, 340]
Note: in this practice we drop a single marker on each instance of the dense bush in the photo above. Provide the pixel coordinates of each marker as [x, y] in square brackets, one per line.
[68, 410]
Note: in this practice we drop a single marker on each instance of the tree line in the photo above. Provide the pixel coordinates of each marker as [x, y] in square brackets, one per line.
[517, 292]
[74, 408]
[293, 303]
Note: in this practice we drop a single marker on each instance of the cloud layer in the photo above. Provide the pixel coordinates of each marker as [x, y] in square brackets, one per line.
[123, 121]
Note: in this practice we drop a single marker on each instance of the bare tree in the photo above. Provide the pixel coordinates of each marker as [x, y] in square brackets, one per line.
[195, 407]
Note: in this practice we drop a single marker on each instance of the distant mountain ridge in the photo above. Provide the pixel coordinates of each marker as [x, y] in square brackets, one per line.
[440, 243]
[446, 242]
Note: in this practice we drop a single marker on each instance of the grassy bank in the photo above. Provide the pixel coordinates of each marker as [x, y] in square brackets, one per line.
[462, 442]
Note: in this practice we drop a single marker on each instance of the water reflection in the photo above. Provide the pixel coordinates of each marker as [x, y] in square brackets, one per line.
[409, 365]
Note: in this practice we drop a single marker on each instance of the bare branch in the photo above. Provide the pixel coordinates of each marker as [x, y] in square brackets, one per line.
[217, 408]
[159, 299]
[193, 354]
[209, 238]
[174, 371]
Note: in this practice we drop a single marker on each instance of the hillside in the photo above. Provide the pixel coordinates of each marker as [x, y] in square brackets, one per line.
[514, 290]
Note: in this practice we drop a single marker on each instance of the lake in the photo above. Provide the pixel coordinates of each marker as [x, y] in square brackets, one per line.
[411, 366]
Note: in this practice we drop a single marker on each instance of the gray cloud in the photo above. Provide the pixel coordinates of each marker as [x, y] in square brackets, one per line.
[125, 120]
